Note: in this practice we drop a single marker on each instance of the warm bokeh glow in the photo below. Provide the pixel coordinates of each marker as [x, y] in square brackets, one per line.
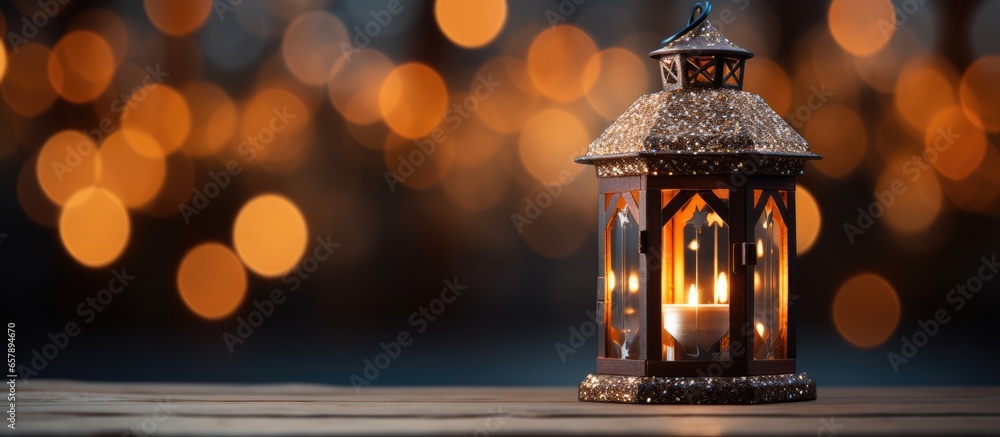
[839, 134]
[862, 27]
[67, 163]
[213, 118]
[270, 234]
[211, 281]
[557, 62]
[26, 86]
[510, 106]
[808, 218]
[980, 92]
[354, 88]
[550, 141]
[618, 77]
[108, 25]
[132, 167]
[81, 66]
[3, 61]
[268, 122]
[161, 112]
[768, 80]
[924, 88]
[413, 100]
[470, 24]
[954, 144]
[94, 227]
[178, 17]
[866, 310]
[918, 207]
[314, 45]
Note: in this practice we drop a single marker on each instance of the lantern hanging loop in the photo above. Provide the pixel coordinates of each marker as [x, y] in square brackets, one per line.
[699, 12]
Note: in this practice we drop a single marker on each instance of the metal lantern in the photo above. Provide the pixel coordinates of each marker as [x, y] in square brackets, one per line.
[696, 210]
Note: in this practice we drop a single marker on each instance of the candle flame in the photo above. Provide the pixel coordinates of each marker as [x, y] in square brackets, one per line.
[611, 280]
[722, 288]
[692, 295]
[760, 248]
[694, 245]
[760, 329]
[633, 283]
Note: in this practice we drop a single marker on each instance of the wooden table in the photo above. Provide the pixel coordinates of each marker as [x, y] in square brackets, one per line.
[83, 408]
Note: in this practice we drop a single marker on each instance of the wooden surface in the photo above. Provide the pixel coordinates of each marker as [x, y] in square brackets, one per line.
[79, 408]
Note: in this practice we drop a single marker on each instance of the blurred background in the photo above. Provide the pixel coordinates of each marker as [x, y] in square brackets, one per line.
[198, 150]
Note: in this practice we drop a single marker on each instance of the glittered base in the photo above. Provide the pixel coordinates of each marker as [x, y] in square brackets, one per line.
[764, 389]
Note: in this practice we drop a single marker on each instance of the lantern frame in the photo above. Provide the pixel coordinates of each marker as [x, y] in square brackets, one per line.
[701, 134]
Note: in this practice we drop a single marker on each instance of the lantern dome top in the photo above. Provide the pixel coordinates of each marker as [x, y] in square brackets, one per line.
[700, 37]
[702, 122]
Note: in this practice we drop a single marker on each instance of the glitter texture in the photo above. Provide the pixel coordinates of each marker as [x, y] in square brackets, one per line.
[762, 389]
[698, 131]
[703, 37]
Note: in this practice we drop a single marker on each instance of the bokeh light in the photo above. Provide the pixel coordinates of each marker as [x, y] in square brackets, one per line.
[550, 141]
[839, 134]
[211, 281]
[413, 100]
[768, 80]
[510, 106]
[213, 118]
[476, 188]
[178, 17]
[354, 88]
[557, 62]
[67, 163]
[470, 24]
[132, 167]
[81, 66]
[924, 87]
[108, 26]
[268, 121]
[918, 206]
[270, 234]
[809, 220]
[25, 86]
[954, 144]
[163, 113]
[618, 77]
[980, 92]
[866, 310]
[94, 227]
[862, 27]
[314, 45]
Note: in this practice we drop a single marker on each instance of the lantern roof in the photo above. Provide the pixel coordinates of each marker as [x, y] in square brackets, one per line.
[701, 123]
[702, 38]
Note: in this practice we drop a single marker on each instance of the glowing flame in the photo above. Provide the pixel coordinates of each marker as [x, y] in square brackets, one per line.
[760, 329]
[693, 245]
[611, 280]
[721, 289]
[633, 283]
[760, 248]
[692, 295]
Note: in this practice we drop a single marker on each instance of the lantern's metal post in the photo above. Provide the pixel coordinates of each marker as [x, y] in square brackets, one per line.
[741, 305]
[652, 267]
[790, 330]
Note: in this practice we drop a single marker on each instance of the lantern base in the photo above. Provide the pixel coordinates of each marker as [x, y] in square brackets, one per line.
[762, 389]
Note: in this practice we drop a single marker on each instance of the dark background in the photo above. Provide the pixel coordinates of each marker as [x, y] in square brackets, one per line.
[525, 292]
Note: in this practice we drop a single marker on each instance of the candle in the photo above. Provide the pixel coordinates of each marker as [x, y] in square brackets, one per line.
[697, 327]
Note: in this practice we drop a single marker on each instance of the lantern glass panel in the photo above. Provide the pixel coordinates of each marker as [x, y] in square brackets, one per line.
[770, 278]
[622, 281]
[695, 282]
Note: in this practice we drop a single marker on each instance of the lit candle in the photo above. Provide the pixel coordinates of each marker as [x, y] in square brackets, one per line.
[697, 327]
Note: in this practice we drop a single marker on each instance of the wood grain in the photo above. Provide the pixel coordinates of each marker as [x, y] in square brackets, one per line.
[49, 407]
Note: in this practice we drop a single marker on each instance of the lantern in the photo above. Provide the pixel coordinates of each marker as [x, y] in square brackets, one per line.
[696, 227]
